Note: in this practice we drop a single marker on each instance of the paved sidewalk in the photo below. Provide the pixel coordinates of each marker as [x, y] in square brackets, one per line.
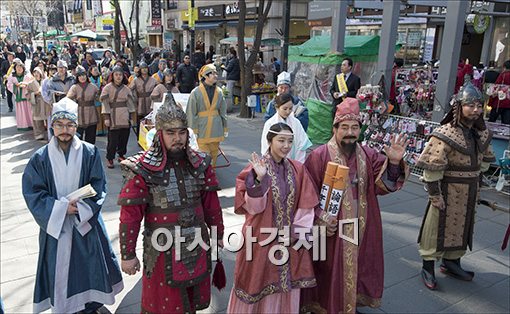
[401, 212]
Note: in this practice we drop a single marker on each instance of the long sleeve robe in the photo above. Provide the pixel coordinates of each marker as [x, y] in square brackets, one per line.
[285, 198]
[76, 262]
[353, 275]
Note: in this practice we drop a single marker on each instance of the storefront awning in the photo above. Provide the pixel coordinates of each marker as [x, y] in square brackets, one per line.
[247, 22]
[201, 26]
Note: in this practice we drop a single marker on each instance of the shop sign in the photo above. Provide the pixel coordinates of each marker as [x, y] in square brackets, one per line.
[185, 15]
[170, 23]
[476, 23]
[70, 28]
[232, 10]
[321, 22]
[89, 24]
[156, 9]
[154, 29]
[167, 39]
[320, 10]
[213, 12]
[104, 24]
[78, 17]
[156, 22]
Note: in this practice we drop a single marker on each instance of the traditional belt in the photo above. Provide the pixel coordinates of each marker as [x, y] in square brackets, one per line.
[89, 103]
[170, 225]
[462, 174]
[208, 113]
[118, 104]
[144, 95]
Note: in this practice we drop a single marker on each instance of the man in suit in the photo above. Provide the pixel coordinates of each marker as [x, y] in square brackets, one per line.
[352, 82]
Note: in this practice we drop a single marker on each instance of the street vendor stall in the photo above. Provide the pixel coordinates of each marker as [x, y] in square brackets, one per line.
[415, 90]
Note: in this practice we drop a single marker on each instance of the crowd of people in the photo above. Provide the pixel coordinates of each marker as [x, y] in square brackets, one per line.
[173, 187]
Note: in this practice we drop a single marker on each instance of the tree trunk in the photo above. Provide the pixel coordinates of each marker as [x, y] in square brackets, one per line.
[247, 65]
[116, 26]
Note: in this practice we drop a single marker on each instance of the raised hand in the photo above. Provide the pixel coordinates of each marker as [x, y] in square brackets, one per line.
[395, 152]
[259, 165]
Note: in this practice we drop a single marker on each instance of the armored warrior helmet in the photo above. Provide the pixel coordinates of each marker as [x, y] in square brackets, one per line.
[469, 94]
[170, 115]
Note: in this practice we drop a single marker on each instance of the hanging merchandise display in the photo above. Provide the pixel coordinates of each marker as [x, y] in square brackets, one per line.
[498, 91]
[371, 98]
[415, 90]
[382, 126]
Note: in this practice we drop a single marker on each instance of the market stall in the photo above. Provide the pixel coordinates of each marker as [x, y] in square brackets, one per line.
[415, 91]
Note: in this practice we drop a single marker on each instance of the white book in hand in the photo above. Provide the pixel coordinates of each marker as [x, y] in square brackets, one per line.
[82, 193]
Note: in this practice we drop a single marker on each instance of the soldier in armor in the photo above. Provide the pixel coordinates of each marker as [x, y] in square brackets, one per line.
[173, 189]
[142, 87]
[456, 155]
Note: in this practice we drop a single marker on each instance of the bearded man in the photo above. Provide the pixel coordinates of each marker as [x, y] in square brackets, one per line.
[173, 189]
[77, 269]
[353, 274]
[455, 156]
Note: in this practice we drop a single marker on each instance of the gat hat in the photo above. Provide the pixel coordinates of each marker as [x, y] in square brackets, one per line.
[206, 69]
[61, 64]
[347, 110]
[283, 78]
[65, 109]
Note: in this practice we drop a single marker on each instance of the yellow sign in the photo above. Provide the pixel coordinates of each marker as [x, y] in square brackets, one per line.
[84, 40]
[185, 15]
[108, 21]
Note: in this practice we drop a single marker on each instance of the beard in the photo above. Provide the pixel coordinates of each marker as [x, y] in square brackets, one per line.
[347, 146]
[176, 153]
[64, 141]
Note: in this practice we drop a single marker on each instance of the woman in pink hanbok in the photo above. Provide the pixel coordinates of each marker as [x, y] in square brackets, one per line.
[17, 84]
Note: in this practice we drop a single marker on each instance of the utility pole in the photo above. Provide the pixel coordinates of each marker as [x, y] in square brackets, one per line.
[286, 29]
[450, 53]
[191, 25]
[338, 26]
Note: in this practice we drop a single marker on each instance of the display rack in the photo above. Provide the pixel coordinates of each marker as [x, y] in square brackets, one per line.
[415, 91]
[380, 127]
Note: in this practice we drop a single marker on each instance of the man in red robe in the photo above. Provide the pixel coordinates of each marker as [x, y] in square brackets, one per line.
[353, 274]
[173, 189]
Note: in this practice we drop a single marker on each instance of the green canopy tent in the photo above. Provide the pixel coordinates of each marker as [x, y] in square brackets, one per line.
[313, 67]
[51, 33]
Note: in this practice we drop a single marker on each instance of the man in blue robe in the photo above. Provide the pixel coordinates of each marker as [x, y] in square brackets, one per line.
[77, 269]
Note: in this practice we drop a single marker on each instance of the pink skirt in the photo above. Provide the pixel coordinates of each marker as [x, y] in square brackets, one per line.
[275, 303]
[23, 115]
